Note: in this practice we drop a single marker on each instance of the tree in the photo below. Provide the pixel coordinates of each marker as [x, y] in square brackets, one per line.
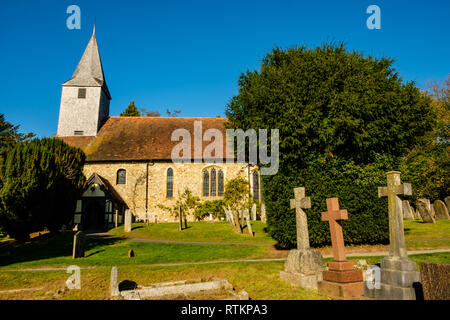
[42, 181]
[427, 164]
[332, 107]
[173, 113]
[131, 111]
[236, 198]
[186, 201]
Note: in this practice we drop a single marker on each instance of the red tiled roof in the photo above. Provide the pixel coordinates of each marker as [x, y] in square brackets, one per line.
[140, 138]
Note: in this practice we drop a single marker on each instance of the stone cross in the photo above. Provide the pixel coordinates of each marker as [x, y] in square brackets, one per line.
[393, 190]
[337, 237]
[298, 203]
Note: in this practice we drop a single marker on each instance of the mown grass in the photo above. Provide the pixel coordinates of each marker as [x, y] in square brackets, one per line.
[260, 279]
[417, 230]
[57, 251]
[196, 231]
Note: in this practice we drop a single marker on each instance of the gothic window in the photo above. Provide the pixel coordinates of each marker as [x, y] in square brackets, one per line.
[213, 182]
[108, 206]
[81, 93]
[121, 176]
[169, 193]
[255, 186]
[220, 183]
[206, 183]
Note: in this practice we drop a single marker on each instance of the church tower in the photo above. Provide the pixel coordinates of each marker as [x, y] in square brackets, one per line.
[85, 97]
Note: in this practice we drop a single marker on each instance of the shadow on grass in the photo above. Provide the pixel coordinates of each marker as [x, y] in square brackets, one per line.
[138, 227]
[48, 246]
[127, 285]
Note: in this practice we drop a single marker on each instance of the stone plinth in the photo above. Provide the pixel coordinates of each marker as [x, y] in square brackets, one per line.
[342, 281]
[303, 268]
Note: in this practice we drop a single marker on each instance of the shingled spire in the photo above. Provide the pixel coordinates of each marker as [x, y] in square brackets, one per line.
[89, 72]
[85, 98]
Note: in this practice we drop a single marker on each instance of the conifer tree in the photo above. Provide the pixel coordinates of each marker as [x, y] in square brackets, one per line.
[131, 111]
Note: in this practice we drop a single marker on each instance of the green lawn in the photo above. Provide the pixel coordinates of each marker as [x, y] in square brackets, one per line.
[57, 251]
[196, 231]
[416, 230]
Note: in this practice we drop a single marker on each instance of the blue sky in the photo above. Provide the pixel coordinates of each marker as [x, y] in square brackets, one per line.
[188, 55]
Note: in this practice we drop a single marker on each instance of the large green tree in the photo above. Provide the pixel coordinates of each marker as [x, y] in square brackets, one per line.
[331, 107]
[42, 180]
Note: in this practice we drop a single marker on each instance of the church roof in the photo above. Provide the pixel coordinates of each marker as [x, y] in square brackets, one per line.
[141, 138]
[89, 72]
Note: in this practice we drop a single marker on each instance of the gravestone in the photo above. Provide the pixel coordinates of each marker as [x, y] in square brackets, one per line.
[249, 225]
[424, 210]
[435, 280]
[433, 213]
[341, 280]
[415, 213]
[447, 202]
[130, 253]
[263, 213]
[79, 245]
[211, 217]
[114, 285]
[398, 272]
[441, 210]
[254, 212]
[303, 266]
[407, 212]
[127, 224]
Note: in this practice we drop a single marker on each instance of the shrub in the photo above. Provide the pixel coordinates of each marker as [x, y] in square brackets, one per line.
[213, 206]
[354, 185]
[41, 181]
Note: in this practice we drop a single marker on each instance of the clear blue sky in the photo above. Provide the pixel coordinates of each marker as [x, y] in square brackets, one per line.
[188, 54]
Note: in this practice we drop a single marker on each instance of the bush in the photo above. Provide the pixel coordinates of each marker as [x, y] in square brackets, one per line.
[214, 206]
[354, 185]
[42, 180]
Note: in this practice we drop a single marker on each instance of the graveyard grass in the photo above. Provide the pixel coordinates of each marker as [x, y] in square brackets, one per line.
[196, 231]
[152, 262]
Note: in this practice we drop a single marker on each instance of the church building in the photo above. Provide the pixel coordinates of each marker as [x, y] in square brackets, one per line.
[129, 162]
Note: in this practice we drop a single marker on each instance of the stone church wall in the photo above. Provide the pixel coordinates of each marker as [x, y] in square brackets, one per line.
[186, 175]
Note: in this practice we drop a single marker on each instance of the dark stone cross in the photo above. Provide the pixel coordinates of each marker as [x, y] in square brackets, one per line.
[337, 237]
[392, 191]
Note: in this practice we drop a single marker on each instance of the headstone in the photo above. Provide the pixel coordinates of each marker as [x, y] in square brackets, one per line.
[447, 202]
[263, 213]
[254, 212]
[415, 213]
[435, 280]
[398, 272]
[79, 245]
[114, 285]
[341, 280]
[130, 253]
[407, 212]
[249, 225]
[303, 266]
[127, 224]
[433, 213]
[441, 210]
[211, 217]
[424, 210]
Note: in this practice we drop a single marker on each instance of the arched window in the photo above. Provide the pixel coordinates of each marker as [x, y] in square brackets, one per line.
[121, 176]
[169, 193]
[255, 186]
[205, 183]
[213, 183]
[220, 183]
